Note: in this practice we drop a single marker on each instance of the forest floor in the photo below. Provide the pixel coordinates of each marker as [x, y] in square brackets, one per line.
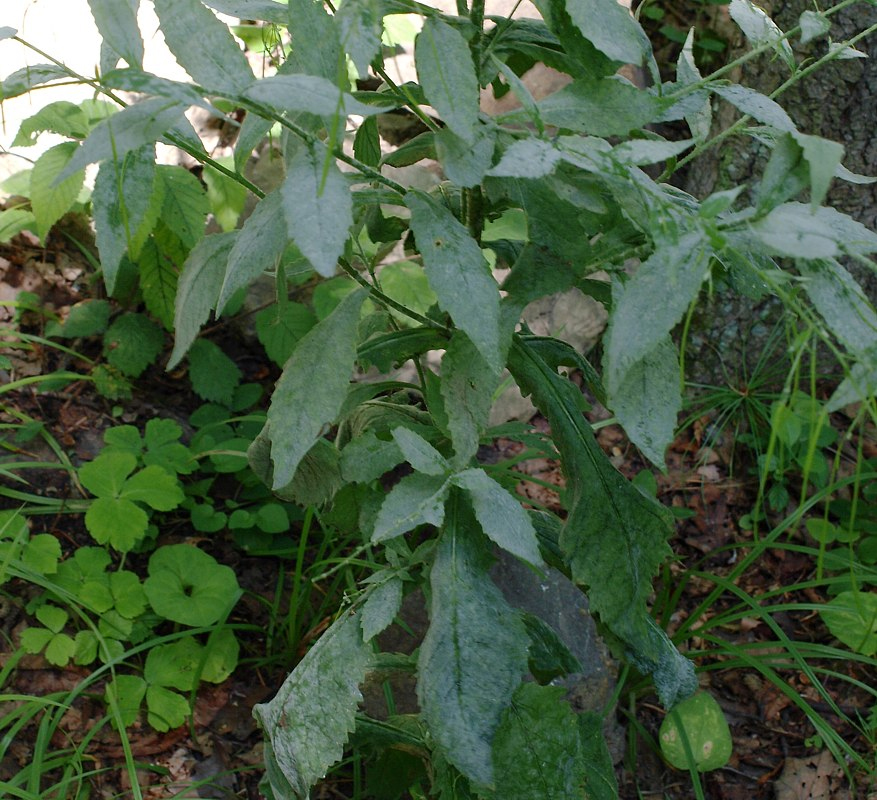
[776, 753]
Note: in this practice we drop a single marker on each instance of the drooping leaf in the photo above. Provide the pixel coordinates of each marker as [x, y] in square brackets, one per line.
[614, 538]
[417, 499]
[757, 106]
[198, 290]
[611, 28]
[458, 274]
[185, 206]
[761, 30]
[500, 515]
[537, 750]
[309, 93]
[121, 201]
[213, 374]
[318, 207]
[217, 62]
[648, 400]
[447, 75]
[648, 306]
[257, 247]
[158, 282]
[313, 386]
[117, 24]
[50, 200]
[61, 117]
[360, 23]
[308, 721]
[467, 387]
[381, 606]
[474, 653]
[127, 130]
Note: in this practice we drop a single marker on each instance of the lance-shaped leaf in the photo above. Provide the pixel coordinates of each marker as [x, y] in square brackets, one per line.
[198, 289]
[649, 305]
[217, 62]
[308, 721]
[614, 538]
[381, 606]
[316, 47]
[447, 75]
[537, 750]
[130, 128]
[23, 80]
[50, 201]
[117, 24]
[121, 201]
[649, 400]
[458, 274]
[259, 244]
[467, 387]
[420, 453]
[474, 653]
[265, 10]
[760, 29]
[313, 386]
[757, 106]
[609, 26]
[500, 515]
[309, 93]
[417, 499]
[318, 207]
[360, 22]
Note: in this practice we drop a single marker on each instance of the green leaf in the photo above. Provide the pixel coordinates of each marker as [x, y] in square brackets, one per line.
[49, 199]
[213, 374]
[155, 487]
[33, 640]
[823, 157]
[119, 523]
[648, 151]
[223, 650]
[309, 93]
[648, 400]
[313, 386]
[465, 162]
[757, 106]
[360, 23]
[367, 143]
[62, 117]
[132, 343]
[308, 721]
[52, 617]
[42, 553]
[458, 274]
[117, 24]
[23, 80]
[614, 538]
[280, 326]
[158, 282]
[813, 26]
[217, 61]
[797, 231]
[605, 107]
[13, 221]
[106, 475]
[128, 595]
[406, 283]
[257, 247]
[420, 453]
[527, 158]
[226, 196]
[122, 203]
[761, 30]
[380, 607]
[447, 75]
[186, 585]
[547, 656]
[198, 289]
[700, 118]
[696, 726]
[185, 205]
[600, 783]
[417, 499]
[842, 303]
[86, 318]
[648, 306]
[166, 709]
[129, 129]
[318, 207]
[60, 649]
[125, 693]
[500, 515]
[852, 618]
[467, 387]
[474, 653]
[173, 665]
[611, 28]
[265, 10]
[366, 458]
[317, 49]
[537, 750]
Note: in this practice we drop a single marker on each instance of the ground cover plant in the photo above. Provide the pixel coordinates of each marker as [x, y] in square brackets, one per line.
[570, 191]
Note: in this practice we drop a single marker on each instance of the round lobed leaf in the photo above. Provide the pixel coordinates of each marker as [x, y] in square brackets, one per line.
[701, 721]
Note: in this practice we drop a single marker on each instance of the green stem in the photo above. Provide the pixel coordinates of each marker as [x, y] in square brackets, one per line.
[476, 17]
[403, 93]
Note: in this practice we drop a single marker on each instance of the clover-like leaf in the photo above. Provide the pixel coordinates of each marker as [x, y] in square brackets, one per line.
[187, 585]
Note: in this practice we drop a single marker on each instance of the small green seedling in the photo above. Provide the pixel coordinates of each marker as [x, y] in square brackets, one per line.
[696, 730]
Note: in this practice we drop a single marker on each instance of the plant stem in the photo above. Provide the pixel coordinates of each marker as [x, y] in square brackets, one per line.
[402, 92]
